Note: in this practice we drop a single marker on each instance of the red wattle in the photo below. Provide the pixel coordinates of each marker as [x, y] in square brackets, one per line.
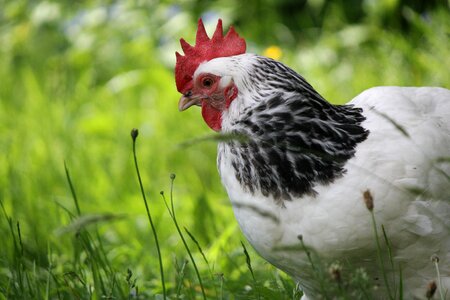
[212, 116]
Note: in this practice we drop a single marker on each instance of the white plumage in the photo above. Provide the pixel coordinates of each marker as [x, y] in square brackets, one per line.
[393, 166]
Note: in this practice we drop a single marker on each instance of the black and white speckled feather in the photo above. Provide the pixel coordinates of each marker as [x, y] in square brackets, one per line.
[293, 143]
[294, 138]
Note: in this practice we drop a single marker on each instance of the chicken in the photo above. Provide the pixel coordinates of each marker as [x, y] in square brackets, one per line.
[297, 168]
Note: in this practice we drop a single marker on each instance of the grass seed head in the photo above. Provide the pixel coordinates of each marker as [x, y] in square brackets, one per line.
[435, 258]
[431, 289]
[368, 200]
[129, 275]
[134, 133]
[335, 272]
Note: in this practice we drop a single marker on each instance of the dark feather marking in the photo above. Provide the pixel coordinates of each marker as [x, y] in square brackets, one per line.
[296, 140]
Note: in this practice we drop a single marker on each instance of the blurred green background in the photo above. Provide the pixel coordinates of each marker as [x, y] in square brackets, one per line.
[77, 76]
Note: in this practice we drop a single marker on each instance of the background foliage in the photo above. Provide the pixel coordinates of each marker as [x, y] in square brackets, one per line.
[76, 76]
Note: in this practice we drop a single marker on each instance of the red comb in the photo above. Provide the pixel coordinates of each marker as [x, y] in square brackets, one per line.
[205, 49]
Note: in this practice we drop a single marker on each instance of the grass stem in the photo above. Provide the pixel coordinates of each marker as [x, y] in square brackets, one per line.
[435, 260]
[72, 189]
[316, 271]
[249, 266]
[391, 259]
[171, 211]
[380, 256]
[134, 135]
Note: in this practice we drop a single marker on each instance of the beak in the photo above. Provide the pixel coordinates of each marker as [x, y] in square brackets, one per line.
[188, 100]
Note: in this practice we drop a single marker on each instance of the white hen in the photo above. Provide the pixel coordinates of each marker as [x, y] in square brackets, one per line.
[298, 169]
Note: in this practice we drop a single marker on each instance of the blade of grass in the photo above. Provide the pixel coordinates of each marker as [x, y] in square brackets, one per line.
[217, 137]
[248, 261]
[181, 274]
[17, 276]
[249, 266]
[172, 214]
[72, 189]
[198, 245]
[391, 258]
[134, 135]
[131, 284]
[221, 285]
[202, 254]
[316, 271]
[297, 293]
[19, 235]
[99, 264]
[368, 200]
[380, 256]
[85, 221]
[400, 284]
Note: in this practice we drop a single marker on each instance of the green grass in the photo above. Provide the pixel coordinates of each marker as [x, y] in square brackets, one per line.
[75, 79]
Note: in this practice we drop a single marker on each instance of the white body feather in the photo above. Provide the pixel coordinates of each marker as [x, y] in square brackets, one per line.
[404, 162]
[390, 164]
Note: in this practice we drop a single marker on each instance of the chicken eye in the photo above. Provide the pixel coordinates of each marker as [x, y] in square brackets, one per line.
[207, 82]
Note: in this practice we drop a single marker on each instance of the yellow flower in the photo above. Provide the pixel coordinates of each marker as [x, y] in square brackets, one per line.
[273, 52]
